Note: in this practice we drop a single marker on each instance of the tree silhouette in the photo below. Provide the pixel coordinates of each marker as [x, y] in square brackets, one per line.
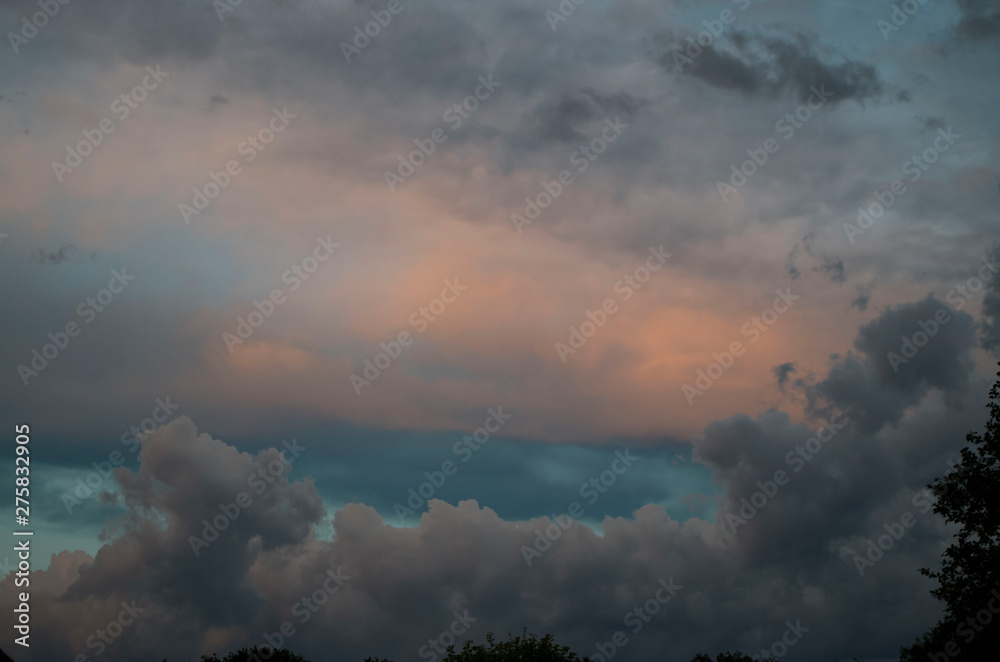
[522, 648]
[969, 579]
[726, 657]
[255, 654]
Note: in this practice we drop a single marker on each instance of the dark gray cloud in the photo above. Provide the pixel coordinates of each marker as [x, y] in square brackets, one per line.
[830, 267]
[118, 29]
[403, 585]
[990, 324]
[782, 372]
[793, 270]
[564, 118]
[991, 321]
[184, 478]
[980, 20]
[893, 370]
[427, 46]
[931, 124]
[771, 65]
[864, 296]
[63, 254]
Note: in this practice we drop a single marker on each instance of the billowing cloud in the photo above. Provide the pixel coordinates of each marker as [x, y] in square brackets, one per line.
[809, 494]
[902, 354]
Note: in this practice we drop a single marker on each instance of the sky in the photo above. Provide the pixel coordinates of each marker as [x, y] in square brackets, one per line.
[470, 317]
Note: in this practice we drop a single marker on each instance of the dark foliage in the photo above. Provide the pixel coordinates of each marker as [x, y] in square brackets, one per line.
[969, 579]
[726, 657]
[522, 648]
[255, 654]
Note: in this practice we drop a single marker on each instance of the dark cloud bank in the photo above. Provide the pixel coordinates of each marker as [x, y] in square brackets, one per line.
[741, 577]
[770, 65]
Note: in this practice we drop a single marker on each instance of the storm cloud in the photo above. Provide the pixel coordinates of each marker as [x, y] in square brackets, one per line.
[836, 416]
[400, 586]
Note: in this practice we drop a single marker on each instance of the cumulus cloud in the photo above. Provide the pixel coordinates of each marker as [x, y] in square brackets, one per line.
[185, 482]
[403, 585]
[875, 388]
